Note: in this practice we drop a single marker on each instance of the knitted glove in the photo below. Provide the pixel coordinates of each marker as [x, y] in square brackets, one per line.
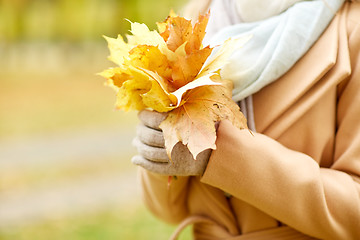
[152, 154]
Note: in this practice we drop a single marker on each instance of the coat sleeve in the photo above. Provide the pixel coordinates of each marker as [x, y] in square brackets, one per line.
[291, 186]
[167, 202]
[288, 185]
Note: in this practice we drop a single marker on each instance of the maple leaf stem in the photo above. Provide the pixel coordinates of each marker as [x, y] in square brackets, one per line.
[251, 132]
[170, 179]
[169, 182]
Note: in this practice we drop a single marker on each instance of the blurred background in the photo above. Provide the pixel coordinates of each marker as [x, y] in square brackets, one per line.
[65, 170]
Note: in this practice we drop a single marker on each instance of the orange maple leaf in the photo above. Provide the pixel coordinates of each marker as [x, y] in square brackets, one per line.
[187, 67]
[193, 123]
[178, 32]
[195, 40]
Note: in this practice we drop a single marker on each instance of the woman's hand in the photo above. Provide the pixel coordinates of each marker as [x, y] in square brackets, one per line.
[152, 154]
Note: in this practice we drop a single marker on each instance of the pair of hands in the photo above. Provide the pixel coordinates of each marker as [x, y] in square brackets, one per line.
[152, 156]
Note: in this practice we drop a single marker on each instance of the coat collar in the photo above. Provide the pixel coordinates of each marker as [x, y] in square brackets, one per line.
[323, 66]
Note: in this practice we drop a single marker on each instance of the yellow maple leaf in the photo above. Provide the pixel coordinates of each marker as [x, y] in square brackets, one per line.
[118, 49]
[150, 58]
[129, 94]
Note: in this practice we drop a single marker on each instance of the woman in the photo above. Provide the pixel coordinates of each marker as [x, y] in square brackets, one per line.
[298, 175]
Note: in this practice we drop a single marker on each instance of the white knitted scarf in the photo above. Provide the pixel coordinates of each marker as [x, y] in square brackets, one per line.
[277, 42]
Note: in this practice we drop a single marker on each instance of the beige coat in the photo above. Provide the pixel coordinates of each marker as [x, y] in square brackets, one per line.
[300, 175]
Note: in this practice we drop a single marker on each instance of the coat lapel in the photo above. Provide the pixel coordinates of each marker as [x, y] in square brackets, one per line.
[324, 65]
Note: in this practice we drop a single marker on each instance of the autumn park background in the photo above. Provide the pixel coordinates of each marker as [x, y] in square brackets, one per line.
[65, 170]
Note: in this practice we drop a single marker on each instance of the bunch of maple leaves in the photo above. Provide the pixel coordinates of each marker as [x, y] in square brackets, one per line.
[169, 70]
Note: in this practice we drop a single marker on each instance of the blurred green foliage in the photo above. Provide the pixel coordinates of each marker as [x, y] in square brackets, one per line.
[76, 21]
[126, 222]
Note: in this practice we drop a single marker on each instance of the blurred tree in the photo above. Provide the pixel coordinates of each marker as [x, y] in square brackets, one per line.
[12, 18]
[76, 21]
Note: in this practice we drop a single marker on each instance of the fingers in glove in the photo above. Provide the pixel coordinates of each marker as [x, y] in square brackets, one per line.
[151, 119]
[166, 169]
[150, 136]
[155, 154]
[181, 165]
[156, 167]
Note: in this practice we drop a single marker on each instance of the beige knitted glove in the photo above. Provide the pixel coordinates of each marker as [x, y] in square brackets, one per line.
[152, 154]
